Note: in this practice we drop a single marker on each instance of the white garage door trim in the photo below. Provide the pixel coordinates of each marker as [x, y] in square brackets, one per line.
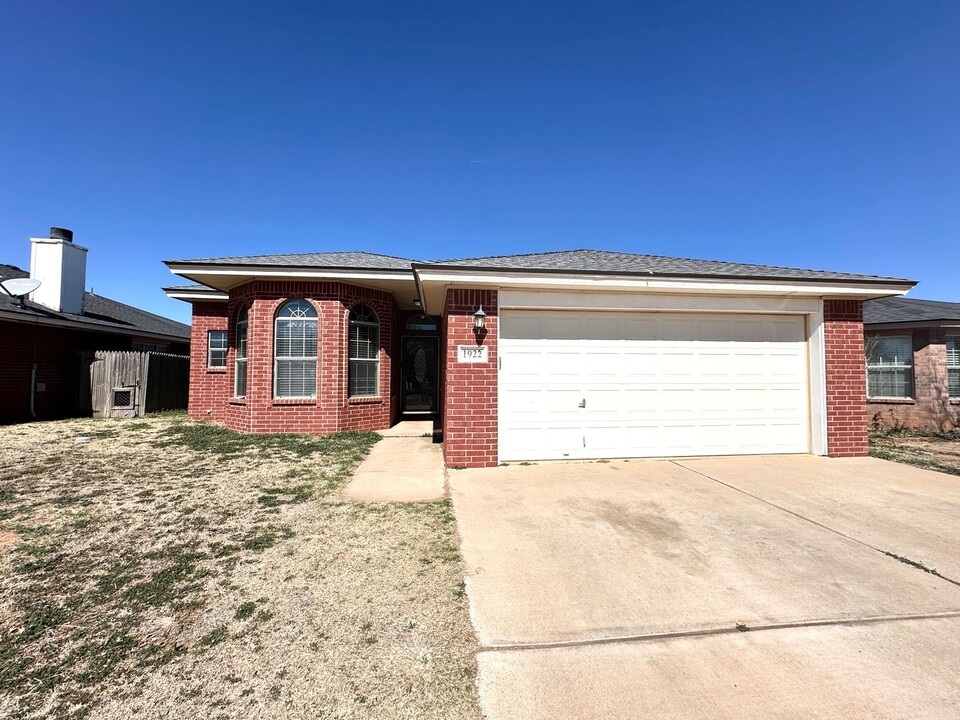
[710, 383]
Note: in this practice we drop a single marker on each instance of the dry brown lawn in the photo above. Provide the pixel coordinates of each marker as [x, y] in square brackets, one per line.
[932, 450]
[164, 568]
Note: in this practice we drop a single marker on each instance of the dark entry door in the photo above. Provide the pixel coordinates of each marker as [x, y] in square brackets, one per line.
[419, 374]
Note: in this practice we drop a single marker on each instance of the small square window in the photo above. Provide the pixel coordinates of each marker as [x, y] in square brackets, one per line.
[217, 348]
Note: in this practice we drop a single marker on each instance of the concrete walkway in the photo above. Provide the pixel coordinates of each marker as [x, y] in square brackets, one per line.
[714, 588]
[403, 467]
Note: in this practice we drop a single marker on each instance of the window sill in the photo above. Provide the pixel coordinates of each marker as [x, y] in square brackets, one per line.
[955, 401]
[892, 400]
[216, 370]
[365, 400]
[294, 401]
[237, 401]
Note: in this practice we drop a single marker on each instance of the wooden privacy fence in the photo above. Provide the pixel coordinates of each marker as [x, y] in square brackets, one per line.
[112, 383]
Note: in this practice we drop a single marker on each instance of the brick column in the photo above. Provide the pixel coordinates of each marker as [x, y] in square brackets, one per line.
[470, 389]
[846, 378]
[208, 388]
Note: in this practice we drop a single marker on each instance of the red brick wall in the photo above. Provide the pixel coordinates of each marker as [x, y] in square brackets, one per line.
[930, 407]
[259, 411]
[51, 348]
[208, 386]
[846, 378]
[469, 390]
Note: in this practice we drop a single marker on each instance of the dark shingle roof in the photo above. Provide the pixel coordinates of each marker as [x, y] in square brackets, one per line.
[341, 260]
[97, 312]
[602, 261]
[564, 261]
[909, 310]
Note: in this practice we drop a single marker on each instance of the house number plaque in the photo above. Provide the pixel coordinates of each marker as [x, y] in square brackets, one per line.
[471, 354]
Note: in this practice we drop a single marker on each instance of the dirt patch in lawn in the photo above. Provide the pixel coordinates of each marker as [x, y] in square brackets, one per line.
[166, 568]
[934, 451]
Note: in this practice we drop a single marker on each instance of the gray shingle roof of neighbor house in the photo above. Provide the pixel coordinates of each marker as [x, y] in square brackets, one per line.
[909, 310]
[98, 312]
[563, 261]
[342, 260]
[620, 263]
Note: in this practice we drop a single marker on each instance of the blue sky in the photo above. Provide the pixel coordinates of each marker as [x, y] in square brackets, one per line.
[813, 134]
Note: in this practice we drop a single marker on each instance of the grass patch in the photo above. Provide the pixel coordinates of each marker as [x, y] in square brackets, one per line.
[113, 562]
[916, 459]
[215, 439]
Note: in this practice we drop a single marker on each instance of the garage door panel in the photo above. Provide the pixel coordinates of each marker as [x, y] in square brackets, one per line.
[654, 384]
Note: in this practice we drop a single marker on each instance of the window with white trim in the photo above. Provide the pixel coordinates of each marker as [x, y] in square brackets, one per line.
[295, 351]
[953, 365]
[364, 343]
[240, 358]
[889, 366]
[217, 348]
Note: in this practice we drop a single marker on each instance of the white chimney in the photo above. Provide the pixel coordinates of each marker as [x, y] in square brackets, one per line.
[61, 268]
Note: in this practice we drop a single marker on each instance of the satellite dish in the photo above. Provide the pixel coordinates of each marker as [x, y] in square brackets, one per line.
[19, 287]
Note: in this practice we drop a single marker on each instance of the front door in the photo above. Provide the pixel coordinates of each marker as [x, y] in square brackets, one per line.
[419, 375]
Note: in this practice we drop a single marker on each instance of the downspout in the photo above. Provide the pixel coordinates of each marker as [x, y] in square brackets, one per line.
[33, 390]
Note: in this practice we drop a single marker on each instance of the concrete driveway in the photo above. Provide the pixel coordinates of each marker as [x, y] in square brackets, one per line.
[714, 588]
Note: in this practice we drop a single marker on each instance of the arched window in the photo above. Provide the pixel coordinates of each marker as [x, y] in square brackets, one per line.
[295, 351]
[240, 357]
[364, 344]
[421, 322]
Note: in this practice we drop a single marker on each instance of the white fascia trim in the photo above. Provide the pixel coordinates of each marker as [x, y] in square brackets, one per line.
[655, 302]
[194, 295]
[254, 271]
[684, 285]
[87, 327]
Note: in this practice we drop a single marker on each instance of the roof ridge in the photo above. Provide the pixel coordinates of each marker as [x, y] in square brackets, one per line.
[508, 255]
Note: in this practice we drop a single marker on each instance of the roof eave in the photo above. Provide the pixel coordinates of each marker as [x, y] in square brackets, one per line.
[79, 324]
[417, 266]
[433, 279]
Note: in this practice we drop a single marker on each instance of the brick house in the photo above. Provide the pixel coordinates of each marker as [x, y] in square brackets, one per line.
[913, 363]
[575, 354]
[41, 334]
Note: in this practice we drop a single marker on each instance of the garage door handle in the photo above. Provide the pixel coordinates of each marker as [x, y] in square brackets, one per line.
[582, 403]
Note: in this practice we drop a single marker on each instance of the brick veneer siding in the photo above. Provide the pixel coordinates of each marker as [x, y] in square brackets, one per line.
[208, 386]
[52, 349]
[931, 407]
[846, 378]
[469, 390]
[259, 412]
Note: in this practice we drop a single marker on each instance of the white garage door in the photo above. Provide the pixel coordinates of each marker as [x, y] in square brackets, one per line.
[611, 384]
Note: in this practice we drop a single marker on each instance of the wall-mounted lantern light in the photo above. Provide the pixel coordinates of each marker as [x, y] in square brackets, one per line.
[479, 319]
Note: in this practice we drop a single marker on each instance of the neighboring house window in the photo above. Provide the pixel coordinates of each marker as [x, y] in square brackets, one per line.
[364, 352]
[240, 361]
[217, 348]
[295, 351]
[953, 365]
[889, 366]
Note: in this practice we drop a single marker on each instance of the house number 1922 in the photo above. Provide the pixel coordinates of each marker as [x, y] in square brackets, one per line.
[471, 354]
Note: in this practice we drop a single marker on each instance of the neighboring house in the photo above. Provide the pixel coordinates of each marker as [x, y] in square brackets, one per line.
[913, 362]
[582, 354]
[40, 340]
